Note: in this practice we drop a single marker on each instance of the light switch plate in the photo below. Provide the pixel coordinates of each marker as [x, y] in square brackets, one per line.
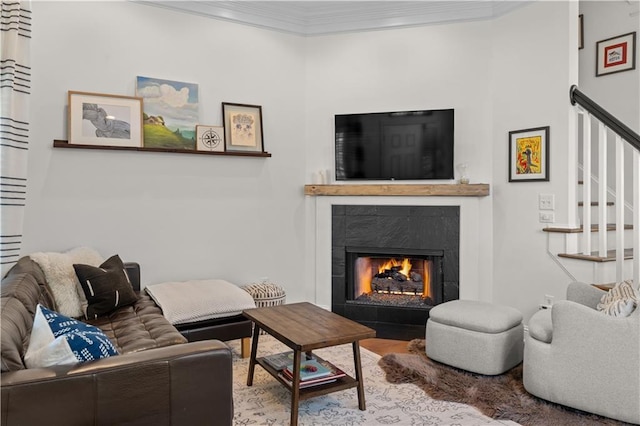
[546, 202]
[547, 217]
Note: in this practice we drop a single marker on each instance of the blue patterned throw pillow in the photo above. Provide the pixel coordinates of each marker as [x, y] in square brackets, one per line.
[58, 340]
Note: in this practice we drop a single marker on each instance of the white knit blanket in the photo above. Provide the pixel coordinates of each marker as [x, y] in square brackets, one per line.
[62, 279]
[198, 300]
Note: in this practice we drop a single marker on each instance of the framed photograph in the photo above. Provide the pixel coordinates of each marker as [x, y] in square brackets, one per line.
[210, 138]
[529, 155]
[581, 31]
[242, 127]
[108, 120]
[616, 54]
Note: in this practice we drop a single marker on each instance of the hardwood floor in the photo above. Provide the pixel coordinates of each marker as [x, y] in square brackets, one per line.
[384, 346]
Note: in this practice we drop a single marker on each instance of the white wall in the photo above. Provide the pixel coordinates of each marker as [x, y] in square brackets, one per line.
[180, 216]
[441, 66]
[534, 64]
[189, 216]
[433, 67]
[619, 93]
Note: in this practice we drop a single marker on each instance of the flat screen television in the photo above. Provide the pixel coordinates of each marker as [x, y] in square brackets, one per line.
[402, 145]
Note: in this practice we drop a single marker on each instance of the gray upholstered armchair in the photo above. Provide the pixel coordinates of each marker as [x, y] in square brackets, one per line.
[579, 357]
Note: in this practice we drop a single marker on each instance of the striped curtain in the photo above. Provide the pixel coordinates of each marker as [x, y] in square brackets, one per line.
[15, 87]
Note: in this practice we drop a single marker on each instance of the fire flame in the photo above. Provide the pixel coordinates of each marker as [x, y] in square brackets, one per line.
[406, 266]
[365, 270]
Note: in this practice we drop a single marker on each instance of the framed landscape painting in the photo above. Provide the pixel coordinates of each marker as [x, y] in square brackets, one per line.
[170, 113]
[106, 120]
[529, 155]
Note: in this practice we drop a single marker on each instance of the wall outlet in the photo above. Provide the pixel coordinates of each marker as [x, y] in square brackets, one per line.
[547, 217]
[548, 299]
[546, 202]
[263, 280]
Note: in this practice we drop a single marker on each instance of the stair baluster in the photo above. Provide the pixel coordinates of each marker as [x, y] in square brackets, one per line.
[588, 111]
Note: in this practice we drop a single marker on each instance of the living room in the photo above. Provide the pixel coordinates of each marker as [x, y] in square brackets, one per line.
[241, 219]
[247, 219]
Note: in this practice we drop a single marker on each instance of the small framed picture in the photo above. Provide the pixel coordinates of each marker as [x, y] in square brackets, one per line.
[581, 31]
[107, 120]
[210, 138]
[242, 127]
[529, 155]
[616, 54]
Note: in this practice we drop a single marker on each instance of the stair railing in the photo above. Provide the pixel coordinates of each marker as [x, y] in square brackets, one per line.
[592, 113]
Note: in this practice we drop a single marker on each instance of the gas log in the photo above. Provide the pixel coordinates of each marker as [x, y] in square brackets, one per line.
[392, 280]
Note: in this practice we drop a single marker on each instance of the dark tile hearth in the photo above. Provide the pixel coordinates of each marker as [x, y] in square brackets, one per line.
[398, 229]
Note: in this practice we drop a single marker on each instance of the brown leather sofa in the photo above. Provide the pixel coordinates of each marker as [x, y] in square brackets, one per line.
[159, 378]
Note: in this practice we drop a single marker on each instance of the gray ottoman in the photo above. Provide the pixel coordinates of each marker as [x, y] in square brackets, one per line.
[476, 336]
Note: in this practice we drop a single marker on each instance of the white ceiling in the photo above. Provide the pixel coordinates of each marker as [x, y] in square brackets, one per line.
[310, 18]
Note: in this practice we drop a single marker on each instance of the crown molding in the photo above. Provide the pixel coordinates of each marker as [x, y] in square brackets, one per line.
[312, 18]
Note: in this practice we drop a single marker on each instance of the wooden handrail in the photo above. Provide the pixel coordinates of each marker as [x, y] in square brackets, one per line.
[577, 97]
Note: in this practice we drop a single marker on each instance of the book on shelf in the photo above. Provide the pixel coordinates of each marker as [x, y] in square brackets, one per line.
[283, 363]
[335, 371]
[313, 382]
[279, 361]
[335, 374]
[309, 369]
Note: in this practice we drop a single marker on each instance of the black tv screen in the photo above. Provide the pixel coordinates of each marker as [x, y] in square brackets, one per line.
[394, 145]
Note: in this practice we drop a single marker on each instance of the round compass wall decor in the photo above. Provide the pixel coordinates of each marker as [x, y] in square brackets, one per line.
[210, 138]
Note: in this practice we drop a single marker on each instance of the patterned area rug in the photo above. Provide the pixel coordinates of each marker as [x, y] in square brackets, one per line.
[267, 402]
[501, 397]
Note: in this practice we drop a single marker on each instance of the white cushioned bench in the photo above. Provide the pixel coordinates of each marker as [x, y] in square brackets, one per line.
[205, 309]
[198, 300]
[476, 336]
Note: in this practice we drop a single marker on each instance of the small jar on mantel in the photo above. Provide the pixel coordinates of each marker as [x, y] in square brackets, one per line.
[463, 169]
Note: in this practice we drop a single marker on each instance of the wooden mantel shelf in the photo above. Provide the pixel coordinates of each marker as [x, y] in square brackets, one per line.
[415, 190]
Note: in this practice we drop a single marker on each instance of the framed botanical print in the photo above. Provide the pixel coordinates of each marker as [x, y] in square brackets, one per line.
[242, 127]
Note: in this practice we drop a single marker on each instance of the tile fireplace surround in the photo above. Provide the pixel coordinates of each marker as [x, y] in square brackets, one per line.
[474, 280]
[395, 229]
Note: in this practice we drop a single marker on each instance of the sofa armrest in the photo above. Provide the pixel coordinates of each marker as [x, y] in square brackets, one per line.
[179, 385]
[578, 329]
[541, 327]
[133, 271]
[585, 294]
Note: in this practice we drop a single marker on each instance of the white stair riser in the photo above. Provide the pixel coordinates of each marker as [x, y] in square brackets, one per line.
[611, 214]
[596, 272]
[572, 243]
[611, 240]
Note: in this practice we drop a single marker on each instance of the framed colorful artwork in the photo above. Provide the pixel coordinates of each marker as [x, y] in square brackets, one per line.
[616, 54]
[210, 138]
[107, 120]
[242, 127]
[170, 112]
[529, 155]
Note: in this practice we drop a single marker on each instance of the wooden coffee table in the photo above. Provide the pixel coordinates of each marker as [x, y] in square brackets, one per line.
[304, 327]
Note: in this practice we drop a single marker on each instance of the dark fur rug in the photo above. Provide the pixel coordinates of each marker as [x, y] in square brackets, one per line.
[500, 397]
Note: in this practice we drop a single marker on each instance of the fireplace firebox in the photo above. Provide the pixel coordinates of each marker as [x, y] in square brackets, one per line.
[394, 277]
[372, 249]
